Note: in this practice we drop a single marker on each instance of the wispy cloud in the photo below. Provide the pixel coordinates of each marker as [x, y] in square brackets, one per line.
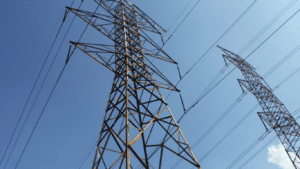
[277, 155]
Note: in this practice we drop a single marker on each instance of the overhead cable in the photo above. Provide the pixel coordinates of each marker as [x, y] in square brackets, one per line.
[218, 39]
[31, 92]
[267, 26]
[227, 112]
[200, 98]
[40, 90]
[245, 152]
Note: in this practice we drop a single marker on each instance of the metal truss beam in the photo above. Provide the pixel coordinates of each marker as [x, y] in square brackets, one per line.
[274, 114]
[138, 127]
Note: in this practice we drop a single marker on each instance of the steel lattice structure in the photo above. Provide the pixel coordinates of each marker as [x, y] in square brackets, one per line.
[275, 114]
[138, 126]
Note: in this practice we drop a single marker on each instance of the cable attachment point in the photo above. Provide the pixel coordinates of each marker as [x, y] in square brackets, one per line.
[162, 40]
[182, 103]
[241, 85]
[69, 55]
[179, 72]
[225, 59]
[260, 115]
[66, 14]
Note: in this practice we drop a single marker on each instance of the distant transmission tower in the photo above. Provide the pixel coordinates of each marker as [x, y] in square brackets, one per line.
[138, 129]
[275, 114]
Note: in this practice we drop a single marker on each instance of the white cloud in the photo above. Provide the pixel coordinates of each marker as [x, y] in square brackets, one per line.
[277, 155]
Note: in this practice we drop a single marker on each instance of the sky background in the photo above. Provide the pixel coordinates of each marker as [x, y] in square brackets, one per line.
[72, 119]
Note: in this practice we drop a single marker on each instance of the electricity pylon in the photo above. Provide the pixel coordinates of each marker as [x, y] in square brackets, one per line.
[138, 126]
[274, 114]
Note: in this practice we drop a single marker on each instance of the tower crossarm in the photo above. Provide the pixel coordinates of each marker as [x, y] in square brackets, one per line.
[274, 114]
[144, 21]
[106, 24]
[105, 55]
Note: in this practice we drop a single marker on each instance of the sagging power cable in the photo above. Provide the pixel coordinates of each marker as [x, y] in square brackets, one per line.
[282, 12]
[181, 22]
[249, 44]
[232, 129]
[232, 106]
[41, 88]
[260, 150]
[219, 38]
[200, 97]
[250, 112]
[203, 95]
[276, 87]
[256, 142]
[46, 59]
[216, 78]
[40, 116]
[252, 146]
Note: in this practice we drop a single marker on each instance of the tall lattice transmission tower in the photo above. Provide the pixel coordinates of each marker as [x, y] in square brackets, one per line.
[138, 128]
[274, 114]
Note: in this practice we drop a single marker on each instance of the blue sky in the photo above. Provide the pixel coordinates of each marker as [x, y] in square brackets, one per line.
[71, 121]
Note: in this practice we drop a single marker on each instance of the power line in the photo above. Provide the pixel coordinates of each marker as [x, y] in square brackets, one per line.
[40, 116]
[276, 66]
[180, 14]
[294, 113]
[119, 79]
[32, 91]
[254, 145]
[282, 82]
[228, 133]
[232, 25]
[87, 154]
[222, 71]
[202, 94]
[90, 151]
[213, 126]
[227, 65]
[278, 47]
[246, 47]
[258, 152]
[230, 108]
[168, 29]
[31, 81]
[273, 33]
[72, 54]
[200, 97]
[287, 78]
[219, 39]
[282, 61]
[267, 26]
[206, 120]
[48, 73]
[182, 22]
[247, 150]
[253, 156]
[177, 26]
[41, 88]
